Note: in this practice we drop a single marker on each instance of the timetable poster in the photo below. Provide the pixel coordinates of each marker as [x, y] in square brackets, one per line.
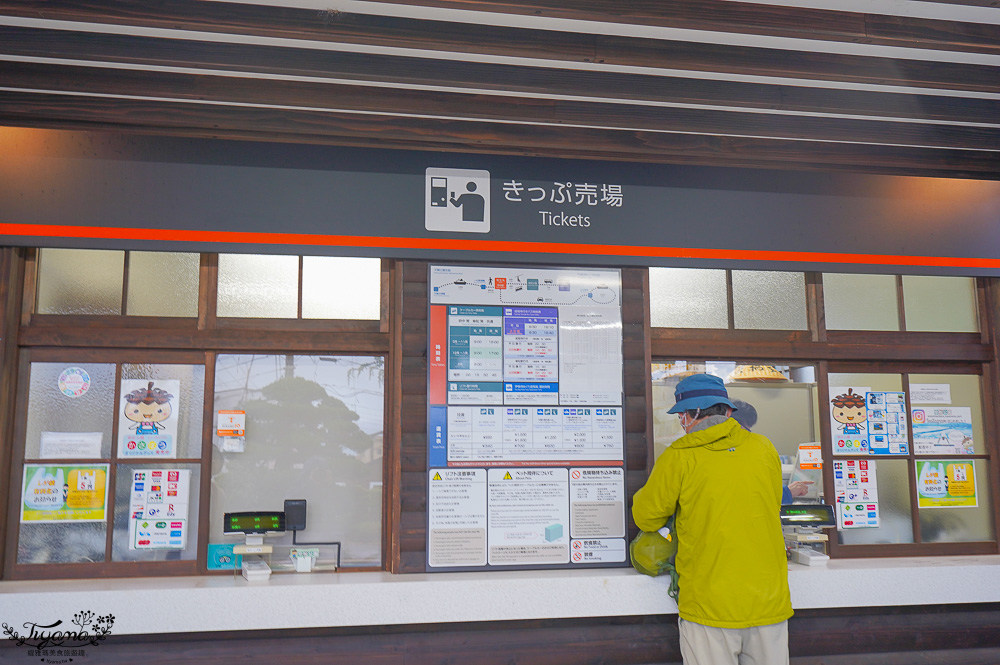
[526, 435]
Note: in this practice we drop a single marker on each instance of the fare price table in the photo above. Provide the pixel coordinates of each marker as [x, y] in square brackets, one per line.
[475, 344]
[509, 434]
[531, 344]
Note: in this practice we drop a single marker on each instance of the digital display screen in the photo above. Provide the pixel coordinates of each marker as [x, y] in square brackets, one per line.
[808, 515]
[256, 522]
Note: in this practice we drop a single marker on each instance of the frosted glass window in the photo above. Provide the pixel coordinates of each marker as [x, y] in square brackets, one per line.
[964, 389]
[162, 284]
[688, 298]
[940, 304]
[61, 542]
[258, 286]
[341, 288]
[876, 382]
[313, 431]
[189, 404]
[893, 505]
[80, 281]
[769, 300]
[69, 397]
[958, 525]
[860, 302]
[121, 537]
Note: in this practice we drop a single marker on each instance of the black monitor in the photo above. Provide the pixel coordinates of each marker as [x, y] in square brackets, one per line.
[808, 514]
[254, 523]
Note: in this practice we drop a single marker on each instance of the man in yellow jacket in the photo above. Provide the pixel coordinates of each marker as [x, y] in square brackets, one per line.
[724, 484]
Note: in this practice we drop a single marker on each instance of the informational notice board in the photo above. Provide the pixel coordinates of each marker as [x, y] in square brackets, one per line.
[526, 442]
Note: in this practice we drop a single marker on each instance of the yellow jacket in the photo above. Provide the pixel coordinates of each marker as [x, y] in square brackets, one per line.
[725, 485]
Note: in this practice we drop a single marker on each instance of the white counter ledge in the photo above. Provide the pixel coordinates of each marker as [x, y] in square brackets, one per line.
[222, 603]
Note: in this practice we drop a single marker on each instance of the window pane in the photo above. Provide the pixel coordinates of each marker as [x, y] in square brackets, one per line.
[955, 525]
[896, 524]
[688, 298]
[162, 284]
[69, 398]
[258, 286]
[963, 390]
[314, 432]
[848, 423]
[768, 300]
[341, 288]
[860, 302]
[940, 304]
[785, 408]
[189, 405]
[61, 542]
[891, 474]
[80, 281]
[122, 538]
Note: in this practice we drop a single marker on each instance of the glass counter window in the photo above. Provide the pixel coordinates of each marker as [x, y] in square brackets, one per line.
[774, 399]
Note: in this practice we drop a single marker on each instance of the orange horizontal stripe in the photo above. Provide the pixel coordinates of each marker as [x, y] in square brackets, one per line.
[318, 240]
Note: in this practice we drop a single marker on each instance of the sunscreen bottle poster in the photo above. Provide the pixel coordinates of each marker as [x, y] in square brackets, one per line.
[64, 493]
[946, 484]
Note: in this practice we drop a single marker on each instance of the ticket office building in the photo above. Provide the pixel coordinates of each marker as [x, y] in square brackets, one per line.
[324, 348]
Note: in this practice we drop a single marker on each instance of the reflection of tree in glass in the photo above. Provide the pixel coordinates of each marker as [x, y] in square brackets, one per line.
[303, 443]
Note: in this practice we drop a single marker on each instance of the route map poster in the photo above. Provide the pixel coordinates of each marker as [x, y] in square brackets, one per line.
[526, 443]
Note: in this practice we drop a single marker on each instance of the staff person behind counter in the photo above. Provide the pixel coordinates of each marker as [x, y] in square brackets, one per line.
[724, 484]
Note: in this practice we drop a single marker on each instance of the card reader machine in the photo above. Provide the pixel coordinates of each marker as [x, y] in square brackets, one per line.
[254, 526]
[801, 524]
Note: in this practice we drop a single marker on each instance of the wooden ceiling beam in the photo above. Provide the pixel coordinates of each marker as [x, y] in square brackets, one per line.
[388, 101]
[487, 40]
[374, 130]
[750, 18]
[289, 61]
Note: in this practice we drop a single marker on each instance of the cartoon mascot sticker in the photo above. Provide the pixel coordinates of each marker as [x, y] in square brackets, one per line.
[152, 411]
[849, 416]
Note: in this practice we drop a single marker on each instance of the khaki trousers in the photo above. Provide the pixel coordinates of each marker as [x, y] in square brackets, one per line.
[760, 645]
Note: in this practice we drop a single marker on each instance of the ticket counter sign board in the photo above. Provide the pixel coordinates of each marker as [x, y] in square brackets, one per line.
[946, 484]
[64, 493]
[525, 392]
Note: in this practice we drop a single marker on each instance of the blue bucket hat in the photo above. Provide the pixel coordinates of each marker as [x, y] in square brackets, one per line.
[700, 391]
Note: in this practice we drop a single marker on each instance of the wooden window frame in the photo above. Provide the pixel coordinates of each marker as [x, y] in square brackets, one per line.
[120, 338]
[898, 352]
